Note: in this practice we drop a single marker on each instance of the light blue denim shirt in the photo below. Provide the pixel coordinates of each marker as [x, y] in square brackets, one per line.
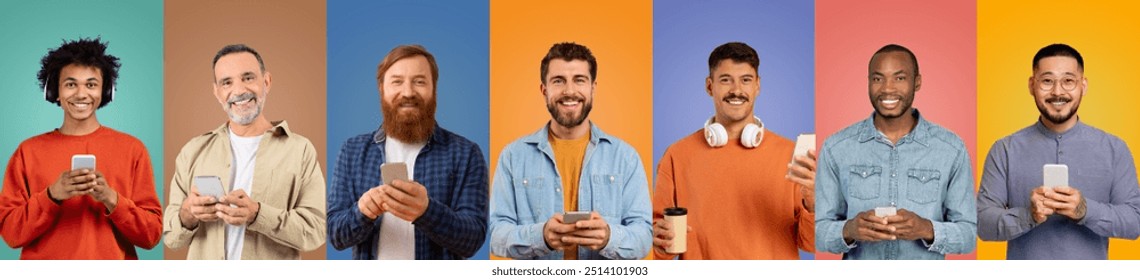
[527, 190]
[927, 172]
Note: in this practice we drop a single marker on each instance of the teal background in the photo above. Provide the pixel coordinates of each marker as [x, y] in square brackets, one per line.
[133, 30]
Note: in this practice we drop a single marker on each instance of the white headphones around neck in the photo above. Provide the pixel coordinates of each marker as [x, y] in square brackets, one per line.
[750, 137]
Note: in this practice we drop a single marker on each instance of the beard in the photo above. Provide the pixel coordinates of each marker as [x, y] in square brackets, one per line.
[236, 116]
[1059, 117]
[568, 119]
[410, 127]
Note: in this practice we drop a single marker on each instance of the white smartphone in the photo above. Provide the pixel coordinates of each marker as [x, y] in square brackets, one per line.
[393, 170]
[574, 217]
[804, 142]
[1056, 175]
[83, 161]
[886, 211]
[210, 186]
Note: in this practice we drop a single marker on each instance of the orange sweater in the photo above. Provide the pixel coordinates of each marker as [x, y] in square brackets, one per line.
[740, 206]
[79, 228]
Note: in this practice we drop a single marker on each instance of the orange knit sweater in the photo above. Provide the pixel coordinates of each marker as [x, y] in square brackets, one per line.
[740, 206]
[79, 228]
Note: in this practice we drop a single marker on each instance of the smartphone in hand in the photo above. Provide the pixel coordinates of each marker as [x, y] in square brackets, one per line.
[804, 142]
[1056, 175]
[392, 171]
[574, 217]
[83, 162]
[210, 186]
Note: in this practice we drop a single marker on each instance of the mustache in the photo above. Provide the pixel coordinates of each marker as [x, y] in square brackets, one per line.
[1061, 98]
[567, 98]
[736, 96]
[413, 100]
[241, 97]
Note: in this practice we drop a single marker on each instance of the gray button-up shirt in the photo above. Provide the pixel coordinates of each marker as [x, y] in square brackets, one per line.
[1100, 166]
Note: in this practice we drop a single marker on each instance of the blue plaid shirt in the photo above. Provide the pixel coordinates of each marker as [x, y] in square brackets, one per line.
[453, 170]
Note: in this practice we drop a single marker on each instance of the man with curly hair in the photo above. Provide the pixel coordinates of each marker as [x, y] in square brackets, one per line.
[54, 211]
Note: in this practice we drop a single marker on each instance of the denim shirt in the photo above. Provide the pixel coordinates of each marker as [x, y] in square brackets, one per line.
[927, 172]
[527, 191]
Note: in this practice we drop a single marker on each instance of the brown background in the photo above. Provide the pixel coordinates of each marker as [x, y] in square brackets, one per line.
[289, 35]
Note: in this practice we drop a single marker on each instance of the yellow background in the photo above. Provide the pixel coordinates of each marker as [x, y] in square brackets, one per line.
[1009, 34]
[618, 33]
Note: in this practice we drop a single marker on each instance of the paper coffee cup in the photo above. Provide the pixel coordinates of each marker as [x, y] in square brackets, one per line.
[678, 216]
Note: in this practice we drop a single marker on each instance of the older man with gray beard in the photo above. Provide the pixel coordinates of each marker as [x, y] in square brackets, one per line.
[273, 205]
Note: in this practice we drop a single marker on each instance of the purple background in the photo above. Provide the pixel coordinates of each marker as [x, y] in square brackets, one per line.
[685, 32]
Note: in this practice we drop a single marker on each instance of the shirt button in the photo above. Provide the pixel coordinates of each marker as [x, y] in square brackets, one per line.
[892, 174]
[524, 181]
[611, 179]
[864, 174]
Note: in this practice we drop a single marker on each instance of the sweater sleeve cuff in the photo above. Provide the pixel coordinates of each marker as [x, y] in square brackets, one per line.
[121, 208]
[47, 203]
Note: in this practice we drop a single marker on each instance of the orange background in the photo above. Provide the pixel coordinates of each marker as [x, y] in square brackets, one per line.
[1009, 34]
[289, 35]
[620, 35]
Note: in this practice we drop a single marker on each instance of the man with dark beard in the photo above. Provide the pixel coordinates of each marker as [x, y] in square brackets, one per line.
[1102, 198]
[570, 165]
[894, 186]
[441, 212]
[273, 206]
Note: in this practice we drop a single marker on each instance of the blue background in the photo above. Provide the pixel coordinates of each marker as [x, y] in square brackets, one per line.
[360, 33]
[685, 32]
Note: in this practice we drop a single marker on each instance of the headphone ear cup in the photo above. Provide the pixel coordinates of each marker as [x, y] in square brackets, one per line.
[751, 136]
[715, 135]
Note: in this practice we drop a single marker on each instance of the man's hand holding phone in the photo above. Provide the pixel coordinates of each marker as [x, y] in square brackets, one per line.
[197, 208]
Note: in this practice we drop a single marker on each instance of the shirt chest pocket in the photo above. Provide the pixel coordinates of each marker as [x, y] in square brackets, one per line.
[864, 181]
[605, 195]
[536, 197]
[923, 185]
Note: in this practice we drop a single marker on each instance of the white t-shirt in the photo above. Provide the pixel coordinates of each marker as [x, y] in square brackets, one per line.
[244, 149]
[397, 236]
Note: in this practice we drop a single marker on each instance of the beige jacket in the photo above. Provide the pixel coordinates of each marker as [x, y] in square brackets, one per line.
[287, 181]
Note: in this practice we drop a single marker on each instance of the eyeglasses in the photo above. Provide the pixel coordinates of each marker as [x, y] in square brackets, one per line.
[1047, 83]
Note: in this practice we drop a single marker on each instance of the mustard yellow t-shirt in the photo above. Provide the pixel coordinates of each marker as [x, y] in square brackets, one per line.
[568, 157]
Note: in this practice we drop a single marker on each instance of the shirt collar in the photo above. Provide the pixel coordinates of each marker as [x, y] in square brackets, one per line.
[919, 134]
[280, 128]
[1041, 128]
[540, 136]
[436, 135]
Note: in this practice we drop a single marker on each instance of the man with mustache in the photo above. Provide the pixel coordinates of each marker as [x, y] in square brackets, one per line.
[894, 186]
[1102, 198]
[704, 175]
[274, 205]
[50, 210]
[441, 211]
[570, 165]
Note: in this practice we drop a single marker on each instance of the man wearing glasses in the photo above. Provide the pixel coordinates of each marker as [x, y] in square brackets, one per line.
[1067, 220]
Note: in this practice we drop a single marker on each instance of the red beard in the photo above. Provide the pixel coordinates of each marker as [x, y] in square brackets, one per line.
[410, 127]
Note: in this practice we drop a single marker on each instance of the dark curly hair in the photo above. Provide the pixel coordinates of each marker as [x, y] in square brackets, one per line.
[83, 52]
[569, 51]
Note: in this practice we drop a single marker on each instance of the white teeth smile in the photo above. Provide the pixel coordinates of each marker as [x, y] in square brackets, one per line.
[1059, 103]
[243, 102]
[569, 103]
[890, 102]
[81, 105]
